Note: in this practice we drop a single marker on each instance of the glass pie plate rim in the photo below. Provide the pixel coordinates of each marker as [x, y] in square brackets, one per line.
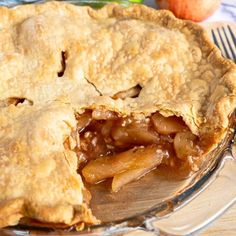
[146, 220]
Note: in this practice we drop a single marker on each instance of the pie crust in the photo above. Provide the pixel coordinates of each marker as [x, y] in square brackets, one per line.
[60, 59]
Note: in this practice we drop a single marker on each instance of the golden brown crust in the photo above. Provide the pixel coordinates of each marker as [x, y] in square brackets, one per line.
[38, 174]
[106, 51]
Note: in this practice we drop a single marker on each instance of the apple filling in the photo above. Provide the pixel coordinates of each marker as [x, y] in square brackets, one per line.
[126, 148]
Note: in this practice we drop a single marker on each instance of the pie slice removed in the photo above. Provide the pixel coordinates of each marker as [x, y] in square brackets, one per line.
[109, 93]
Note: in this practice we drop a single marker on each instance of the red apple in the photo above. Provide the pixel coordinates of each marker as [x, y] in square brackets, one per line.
[195, 10]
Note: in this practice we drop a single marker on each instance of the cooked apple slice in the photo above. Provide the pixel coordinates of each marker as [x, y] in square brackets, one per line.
[185, 144]
[136, 133]
[167, 125]
[83, 121]
[128, 176]
[135, 158]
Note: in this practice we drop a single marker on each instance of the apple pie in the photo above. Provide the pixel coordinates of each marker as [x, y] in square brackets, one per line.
[87, 95]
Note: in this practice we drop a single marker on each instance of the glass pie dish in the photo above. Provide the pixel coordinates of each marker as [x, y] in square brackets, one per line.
[152, 203]
[161, 203]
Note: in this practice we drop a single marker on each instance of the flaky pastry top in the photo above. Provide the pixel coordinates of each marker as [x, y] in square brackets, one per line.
[111, 50]
[63, 59]
[38, 175]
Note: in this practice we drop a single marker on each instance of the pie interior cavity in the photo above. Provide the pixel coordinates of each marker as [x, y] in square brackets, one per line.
[59, 61]
[125, 148]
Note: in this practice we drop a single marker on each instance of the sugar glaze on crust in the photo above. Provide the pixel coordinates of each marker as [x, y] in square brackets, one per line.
[64, 59]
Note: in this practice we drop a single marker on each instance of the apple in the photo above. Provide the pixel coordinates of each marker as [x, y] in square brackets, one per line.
[195, 10]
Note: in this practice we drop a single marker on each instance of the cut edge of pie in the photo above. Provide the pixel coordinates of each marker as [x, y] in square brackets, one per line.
[41, 158]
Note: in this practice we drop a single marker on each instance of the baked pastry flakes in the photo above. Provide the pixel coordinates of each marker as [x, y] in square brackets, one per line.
[67, 72]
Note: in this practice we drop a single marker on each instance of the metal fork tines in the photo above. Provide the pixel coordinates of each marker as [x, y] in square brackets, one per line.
[225, 40]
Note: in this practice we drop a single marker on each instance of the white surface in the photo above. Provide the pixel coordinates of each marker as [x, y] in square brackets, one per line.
[226, 12]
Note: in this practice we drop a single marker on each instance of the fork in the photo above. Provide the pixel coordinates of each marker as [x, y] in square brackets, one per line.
[225, 40]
